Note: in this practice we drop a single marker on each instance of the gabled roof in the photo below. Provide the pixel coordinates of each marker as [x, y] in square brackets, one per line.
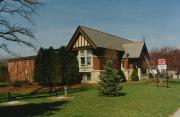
[100, 39]
[134, 49]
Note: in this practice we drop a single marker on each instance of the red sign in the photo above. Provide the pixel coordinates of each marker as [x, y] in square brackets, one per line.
[162, 62]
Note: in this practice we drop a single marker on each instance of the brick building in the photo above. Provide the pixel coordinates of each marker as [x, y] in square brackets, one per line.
[21, 69]
[93, 48]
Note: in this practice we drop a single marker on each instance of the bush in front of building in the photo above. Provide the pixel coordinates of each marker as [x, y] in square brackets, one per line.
[134, 75]
[54, 67]
[72, 75]
[120, 73]
[3, 73]
[45, 66]
[109, 84]
[69, 72]
[3, 84]
[39, 67]
[18, 83]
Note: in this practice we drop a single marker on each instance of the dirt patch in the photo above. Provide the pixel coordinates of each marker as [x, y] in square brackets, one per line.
[60, 98]
[12, 103]
[18, 89]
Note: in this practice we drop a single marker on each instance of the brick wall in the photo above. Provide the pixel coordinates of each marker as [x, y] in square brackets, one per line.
[98, 63]
[100, 59]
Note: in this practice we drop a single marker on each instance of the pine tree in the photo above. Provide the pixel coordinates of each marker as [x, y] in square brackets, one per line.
[50, 66]
[109, 84]
[72, 74]
[39, 75]
[54, 67]
[121, 75]
[134, 75]
[69, 70]
[63, 62]
[3, 73]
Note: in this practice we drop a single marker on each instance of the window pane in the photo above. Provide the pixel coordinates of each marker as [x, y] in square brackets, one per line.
[89, 53]
[89, 76]
[82, 53]
[88, 61]
[82, 61]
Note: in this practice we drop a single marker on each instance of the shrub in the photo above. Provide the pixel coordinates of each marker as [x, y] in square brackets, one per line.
[134, 75]
[109, 84]
[3, 84]
[121, 75]
[69, 69]
[18, 83]
[26, 83]
[54, 67]
[72, 75]
[3, 73]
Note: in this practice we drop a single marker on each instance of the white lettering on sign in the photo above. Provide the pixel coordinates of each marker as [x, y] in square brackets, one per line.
[162, 64]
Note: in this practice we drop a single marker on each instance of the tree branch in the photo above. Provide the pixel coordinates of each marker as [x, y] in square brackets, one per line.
[9, 30]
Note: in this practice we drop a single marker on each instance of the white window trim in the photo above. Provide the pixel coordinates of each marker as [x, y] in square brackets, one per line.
[85, 53]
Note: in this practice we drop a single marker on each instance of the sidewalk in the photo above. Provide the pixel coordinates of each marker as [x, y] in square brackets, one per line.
[177, 113]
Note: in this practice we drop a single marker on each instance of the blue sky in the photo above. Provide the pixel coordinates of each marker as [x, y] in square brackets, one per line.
[156, 20]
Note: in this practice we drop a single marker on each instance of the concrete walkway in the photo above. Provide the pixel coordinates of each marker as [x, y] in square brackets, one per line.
[177, 113]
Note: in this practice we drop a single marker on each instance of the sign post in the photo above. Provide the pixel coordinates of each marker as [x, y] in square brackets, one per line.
[162, 70]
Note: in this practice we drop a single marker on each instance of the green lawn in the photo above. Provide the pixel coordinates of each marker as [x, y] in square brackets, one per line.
[142, 99]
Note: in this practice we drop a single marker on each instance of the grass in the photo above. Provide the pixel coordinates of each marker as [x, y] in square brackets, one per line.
[142, 99]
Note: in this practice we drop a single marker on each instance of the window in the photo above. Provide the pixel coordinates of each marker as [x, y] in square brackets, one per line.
[89, 57]
[82, 53]
[89, 53]
[88, 61]
[88, 76]
[85, 58]
[82, 58]
[82, 61]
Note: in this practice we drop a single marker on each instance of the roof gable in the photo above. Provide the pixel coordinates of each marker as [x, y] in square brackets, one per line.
[99, 39]
[75, 38]
[105, 40]
[81, 42]
[134, 50]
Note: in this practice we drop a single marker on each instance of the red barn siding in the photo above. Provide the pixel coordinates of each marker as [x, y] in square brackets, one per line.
[21, 69]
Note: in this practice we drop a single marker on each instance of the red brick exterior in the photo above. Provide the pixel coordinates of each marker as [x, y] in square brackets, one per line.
[21, 69]
[97, 63]
[107, 54]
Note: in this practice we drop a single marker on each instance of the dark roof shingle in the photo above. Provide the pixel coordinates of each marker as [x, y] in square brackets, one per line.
[105, 40]
[133, 49]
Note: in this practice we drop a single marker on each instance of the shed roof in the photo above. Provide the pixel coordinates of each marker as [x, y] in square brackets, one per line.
[22, 58]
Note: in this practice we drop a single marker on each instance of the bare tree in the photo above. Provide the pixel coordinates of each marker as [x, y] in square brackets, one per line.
[12, 30]
[171, 54]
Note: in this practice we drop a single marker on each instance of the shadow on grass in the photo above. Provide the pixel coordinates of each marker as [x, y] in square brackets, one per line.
[52, 93]
[79, 89]
[21, 97]
[29, 110]
[119, 95]
[36, 94]
[174, 81]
